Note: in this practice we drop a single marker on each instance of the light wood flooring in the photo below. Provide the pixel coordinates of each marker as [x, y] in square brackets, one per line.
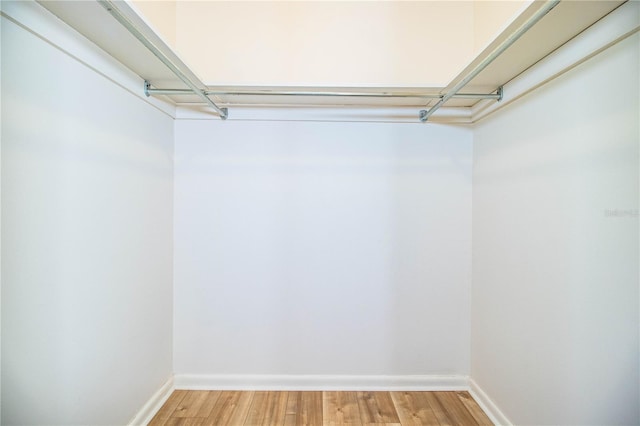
[235, 408]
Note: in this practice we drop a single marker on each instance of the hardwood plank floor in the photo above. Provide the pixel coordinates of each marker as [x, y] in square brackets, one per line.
[377, 408]
[413, 408]
[231, 408]
[267, 408]
[340, 408]
[236, 408]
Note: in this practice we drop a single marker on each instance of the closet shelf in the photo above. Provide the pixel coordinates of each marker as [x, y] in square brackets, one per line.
[542, 28]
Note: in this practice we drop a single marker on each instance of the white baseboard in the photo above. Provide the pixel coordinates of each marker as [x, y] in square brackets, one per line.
[487, 405]
[153, 405]
[320, 382]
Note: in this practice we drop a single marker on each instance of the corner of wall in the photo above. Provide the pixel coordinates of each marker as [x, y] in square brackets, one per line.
[487, 405]
[153, 405]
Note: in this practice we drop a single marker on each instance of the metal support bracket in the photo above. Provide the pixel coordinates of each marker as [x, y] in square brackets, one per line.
[546, 8]
[175, 67]
[498, 97]
[148, 91]
[147, 86]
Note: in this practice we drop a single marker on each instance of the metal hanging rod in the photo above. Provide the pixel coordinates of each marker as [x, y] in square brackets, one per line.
[196, 87]
[110, 6]
[546, 8]
[267, 92]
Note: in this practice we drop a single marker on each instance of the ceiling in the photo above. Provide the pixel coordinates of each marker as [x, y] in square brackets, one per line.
[564, 22]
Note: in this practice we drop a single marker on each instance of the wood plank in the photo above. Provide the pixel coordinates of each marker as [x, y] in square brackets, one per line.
[340, 408]
[291, 415]
[184, 421]
[473, 408]
[308, 408]
[438, 410]
[267, 408]
[311, 409]
[414, 409]
[231, 408]
[377, 407]
[200, 408]
[196, 404]
[168, 408]
[456, 410]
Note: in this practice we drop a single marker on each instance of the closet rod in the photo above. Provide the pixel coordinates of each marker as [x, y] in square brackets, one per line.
[546, 8]
[110, 6]
[157, 92]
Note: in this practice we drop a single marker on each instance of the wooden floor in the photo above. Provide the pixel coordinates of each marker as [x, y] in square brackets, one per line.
[319, 408]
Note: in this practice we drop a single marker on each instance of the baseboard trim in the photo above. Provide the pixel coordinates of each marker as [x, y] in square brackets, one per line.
[487, 405]
[320, 382]
[153, 405]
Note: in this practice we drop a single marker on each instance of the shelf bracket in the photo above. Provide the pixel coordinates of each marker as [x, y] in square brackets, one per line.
[546, 8]
[111, 7]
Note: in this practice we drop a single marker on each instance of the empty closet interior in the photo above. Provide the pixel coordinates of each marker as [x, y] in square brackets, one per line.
[316, 195]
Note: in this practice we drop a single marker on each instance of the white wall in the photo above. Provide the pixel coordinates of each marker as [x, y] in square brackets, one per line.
[555, 271]
[0, 231]
[321, 248]
[87, 241]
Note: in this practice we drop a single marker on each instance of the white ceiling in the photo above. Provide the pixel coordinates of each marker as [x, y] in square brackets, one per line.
[564, 22]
